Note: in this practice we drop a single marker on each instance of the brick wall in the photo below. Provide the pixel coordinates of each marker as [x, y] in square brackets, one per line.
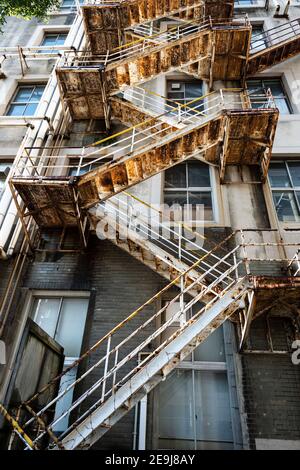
[119, 284]
[271, 389]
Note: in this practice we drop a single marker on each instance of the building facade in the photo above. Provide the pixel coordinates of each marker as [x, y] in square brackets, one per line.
[150, 226]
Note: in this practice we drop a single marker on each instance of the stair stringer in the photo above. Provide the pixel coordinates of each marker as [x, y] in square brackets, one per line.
[161, 262]
[145, 379]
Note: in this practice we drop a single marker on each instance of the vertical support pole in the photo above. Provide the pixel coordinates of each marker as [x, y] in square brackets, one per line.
[80, 162]
[143, 423]
[236, 273]
[181, 299]
[115, 372]
[105, 368]
[244, 253]
[132, 140]
[179, 113]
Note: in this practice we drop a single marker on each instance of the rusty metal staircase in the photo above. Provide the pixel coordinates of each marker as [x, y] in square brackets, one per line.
[217, 51]
[221, 128]
[125, 372]
[271, 47]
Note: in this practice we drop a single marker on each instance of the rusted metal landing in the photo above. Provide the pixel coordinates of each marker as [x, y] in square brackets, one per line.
[217, 53]
[105, 24]
[273, 55]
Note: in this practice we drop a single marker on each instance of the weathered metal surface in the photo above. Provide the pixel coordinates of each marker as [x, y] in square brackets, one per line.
[160, 59]
[84, 92]
[230, 46]
[249, 138]
[219, 9]
[113, 178]
[105, 24]
[273, 55]
[50, 202]
[131, 115]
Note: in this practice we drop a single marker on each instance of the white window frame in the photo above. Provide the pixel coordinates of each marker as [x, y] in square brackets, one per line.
[211, 190]
[292, 188]
[19, 86]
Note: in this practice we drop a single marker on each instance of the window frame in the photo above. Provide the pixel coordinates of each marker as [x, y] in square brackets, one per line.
[284, 92]
[199, 189]
[292, 189]
[13, 101]
[53, 47]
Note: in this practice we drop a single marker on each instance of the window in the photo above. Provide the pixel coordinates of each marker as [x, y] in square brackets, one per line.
[284, 179]
[69, 4]
[257, 87]
[52, 40]
[188, 185]
[26, 100]
[184, 92]
[194, 403]
[4, 170]
[63, 318]
[258, 39]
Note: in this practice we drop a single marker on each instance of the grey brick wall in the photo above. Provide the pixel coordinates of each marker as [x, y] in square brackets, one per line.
[119, 284]
[271, 389]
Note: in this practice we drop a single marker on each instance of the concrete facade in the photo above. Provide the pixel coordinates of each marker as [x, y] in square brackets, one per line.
[263, 383]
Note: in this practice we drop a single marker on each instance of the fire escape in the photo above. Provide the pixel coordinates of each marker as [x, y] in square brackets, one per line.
[224, 127]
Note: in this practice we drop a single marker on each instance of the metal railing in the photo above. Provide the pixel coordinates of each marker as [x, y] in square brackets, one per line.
[85, 59]
[114, 357]
[275, 36]
[117, 359]
[195, 113]
[162, 238]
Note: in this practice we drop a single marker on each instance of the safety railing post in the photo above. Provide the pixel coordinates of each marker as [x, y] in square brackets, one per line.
[115, 372]
[80, 162]
[105, 367]
[179, 113]
[244, 253]
[132, 140]
[181, 299]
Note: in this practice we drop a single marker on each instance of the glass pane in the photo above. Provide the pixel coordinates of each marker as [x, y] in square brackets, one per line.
[193, 90]
[286, 207]
[200, 204]
[213, 419]
[294, 168]
[66, 401]
[23, 94]
[49, 41]
[258, 41]
[30, 109]
[278, 175]
[198, 175]
[212, 349]
[16, 110]
[175, 177]
[45, 314]
[71, 326]
[38, 91]
[175, 417]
